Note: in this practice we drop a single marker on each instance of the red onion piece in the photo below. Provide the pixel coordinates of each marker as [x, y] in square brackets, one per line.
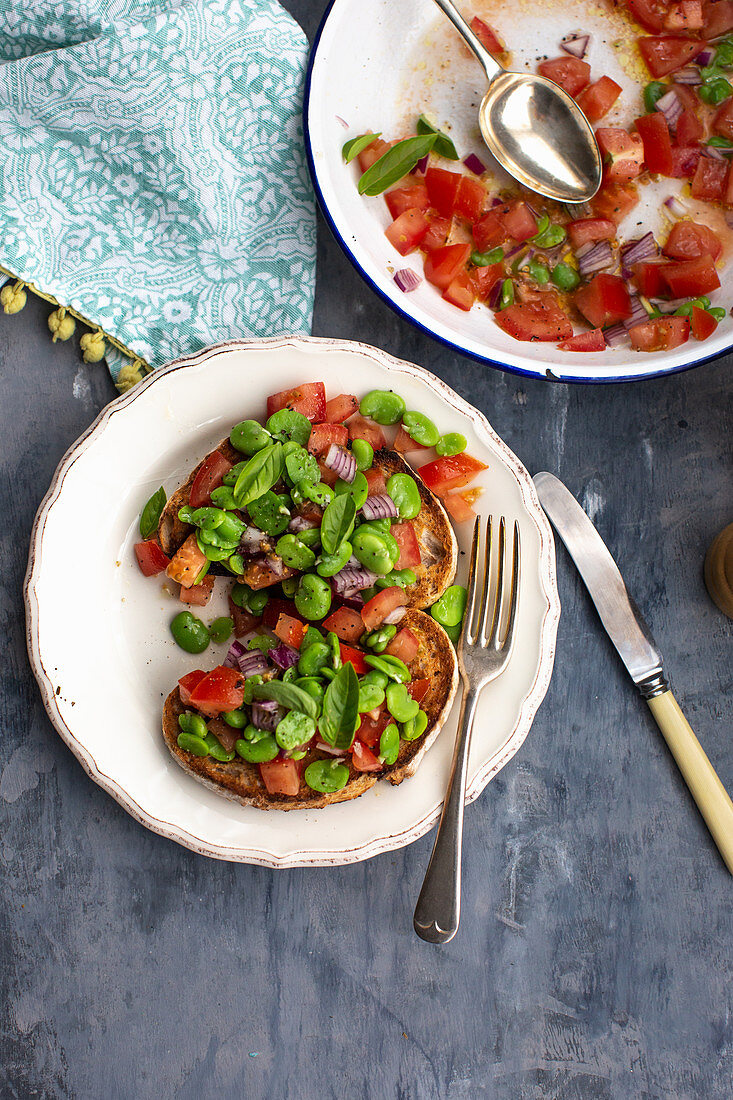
[236, 650]
[496, 201]
[705, 56]
[351, 579]
[421, 166]
[596, 258]
[675, 206]
[341, 461]
[728, 215]
[303, 523]
[252, 663]
[329, 749]
[671, 107]
[688, 75]
[495, 295]
[633, 252]
[352, 599]
[265, 714]
[614, 334]
[638, 313]
[380, 506]
[474, 164]
[407, 279]
[713, 153]
[576, 46]
[276, 564]
[284, 656]
[342, 122]
[395, 616]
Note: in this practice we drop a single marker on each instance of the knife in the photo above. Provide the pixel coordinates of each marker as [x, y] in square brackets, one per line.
[639, 652]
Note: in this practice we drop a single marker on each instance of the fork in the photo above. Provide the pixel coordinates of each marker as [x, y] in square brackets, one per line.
[484, 649]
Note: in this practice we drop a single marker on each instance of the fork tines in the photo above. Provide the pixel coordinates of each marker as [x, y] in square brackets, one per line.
[492, 600]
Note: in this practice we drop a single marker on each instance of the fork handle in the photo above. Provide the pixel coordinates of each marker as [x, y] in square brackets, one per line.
[438, 908]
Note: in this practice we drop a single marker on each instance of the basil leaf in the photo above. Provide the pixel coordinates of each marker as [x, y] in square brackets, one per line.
[444, 147]
[338, 522]
[340, 715]
[288, 695]
[263, 470]
[151, 513]
[395, 163]
[355, 146]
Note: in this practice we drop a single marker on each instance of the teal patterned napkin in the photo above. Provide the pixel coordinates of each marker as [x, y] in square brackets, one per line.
[152, 171]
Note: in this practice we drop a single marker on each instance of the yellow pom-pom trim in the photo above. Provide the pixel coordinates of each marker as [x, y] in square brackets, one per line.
[61, 325]
[129, 375]
[92, 346]
[13, 297]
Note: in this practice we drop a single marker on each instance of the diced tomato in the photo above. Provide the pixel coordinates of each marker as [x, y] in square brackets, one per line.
[570, 73]
[187, 562]
[458, 508]
[597, 99]
[623, 154]
[688, 240]
[275, 607]
[372, 152]
[450, 472]
[376, 481]
[209, 477]
[220, 690]
[243, 620]
[660, 334]
[702, 323]
[290, 630]
[355, 657]
[489, 231]
[376, 610]
[410, 556]
[460, 291]
[519, 221]
[685, 159]
[486, 36]
[443, 264]
[418, 689]
[471, 198]
[709, 180]
[341, 408]
[585, 341]
[323, 435]
[361, 427]
[258, 574]
[414, 197]
[717, 18]
[686, 94]
[371, 729]
[615, 200]
[403, 442]
[308, 399]
[404, 645]
[689, 128]
[657, 142]
[281, 776]
[198, 595]
[442, 187]
[484, 279]
[346, 623]
[589, 230]
[406, 232]
[187, 683]
[151, 558]
[604, 300]
[723, 119]
[691, 278]
[535, 321]
[664, 53]
[650, 13]
[329, 476]
[437, 233]
[685, 15]
[364, 759]
[648, 279]
[728, 193]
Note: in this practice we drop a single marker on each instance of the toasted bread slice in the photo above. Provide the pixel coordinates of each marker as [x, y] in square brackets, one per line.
[435, 535]
[435, 660]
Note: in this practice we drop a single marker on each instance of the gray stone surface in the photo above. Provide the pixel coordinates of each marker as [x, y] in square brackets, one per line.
[594, 956]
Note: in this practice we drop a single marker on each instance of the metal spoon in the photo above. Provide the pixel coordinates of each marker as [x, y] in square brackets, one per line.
[536, 131]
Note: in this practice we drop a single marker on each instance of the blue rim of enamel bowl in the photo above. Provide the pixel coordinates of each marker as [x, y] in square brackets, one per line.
[547, 374]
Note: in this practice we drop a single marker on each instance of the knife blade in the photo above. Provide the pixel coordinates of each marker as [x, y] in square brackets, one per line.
[640, 654]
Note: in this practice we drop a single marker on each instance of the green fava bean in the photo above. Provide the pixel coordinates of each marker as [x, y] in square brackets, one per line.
[295, 553]
[370, 697]
[415, 727]
[378, 526]
[249, 600]
[221, 629]
[311, 536]
[374, 677]
[331, 564]
[237, 719]
[393, 548]
[450, 608]
[371, 550]
[189, 633]
[270, 513]
[312, 635]
[249, 437]
[251, 733]
[358, 489]
[384, 406]
[258, 752]
[300, 465]
[326, 776]
[211, 552]
[321, 494]
[312, 685]
[196, 745]
[392, 667]
[218, 542]
[289, 586]
[217, 750]
[334, 645]
[230, 477]
[389, 744]
[289, 674]
[452, 443]
[406, 495]
[223, 497]
[421, 428]
[286, 424]
[453, 632]
[313, 598]
[402, 578]
[208, 519]
[293, 730]
[363, 452]
[400, 704]
[379, 639]
[193, 724]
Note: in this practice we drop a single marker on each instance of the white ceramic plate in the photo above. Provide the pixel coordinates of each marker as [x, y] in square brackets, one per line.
[97, 629]
[378, 64]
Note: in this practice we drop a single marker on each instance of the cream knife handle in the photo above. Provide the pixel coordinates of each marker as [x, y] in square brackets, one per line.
[713, 801]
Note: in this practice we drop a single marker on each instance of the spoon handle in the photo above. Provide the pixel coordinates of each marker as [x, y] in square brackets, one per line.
[491, 67]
